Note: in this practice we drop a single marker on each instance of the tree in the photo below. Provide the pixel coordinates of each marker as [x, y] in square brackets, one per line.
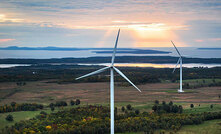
[137, 111]
[61, 103]
[72, 102]
[9, 118]
[77, 102]
[115, 110]
[163, 103]
[43, 112]
[170, 103]
[13, 104]
[129, 107]
[51, 105]
[211, 106]
[154, 108]
[191, 105]
[156, 102]
[122, 108]
[175, 109]
[52, 108]
[180, 109]
[186, 85]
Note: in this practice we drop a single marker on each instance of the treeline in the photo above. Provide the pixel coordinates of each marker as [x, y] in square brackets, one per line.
[119, 59]
[68, 73]
[198, 85]
[64, 103]
[166, 108]
[95, 119]
[20, 107]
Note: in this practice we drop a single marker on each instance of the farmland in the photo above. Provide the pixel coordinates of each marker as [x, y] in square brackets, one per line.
[46, 91]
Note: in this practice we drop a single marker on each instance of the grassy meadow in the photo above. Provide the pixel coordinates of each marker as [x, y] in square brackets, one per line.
[45, 92]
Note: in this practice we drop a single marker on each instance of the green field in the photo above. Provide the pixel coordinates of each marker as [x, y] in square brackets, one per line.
[208, 127]
[98, 94]
[25, 115]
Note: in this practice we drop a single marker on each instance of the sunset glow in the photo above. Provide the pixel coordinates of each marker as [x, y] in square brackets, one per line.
[94, 24]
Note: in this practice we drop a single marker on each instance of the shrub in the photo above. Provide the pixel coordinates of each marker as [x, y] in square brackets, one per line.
[156, 102]
[52, 108]
[163, 103]
[61, 103]
[13, 104]
[9, 118]
[77, 102]
[129, 107]
[191, 105]
[72, 102]
[122, 108]
[43, 112]
[170, 103]
[137, 111]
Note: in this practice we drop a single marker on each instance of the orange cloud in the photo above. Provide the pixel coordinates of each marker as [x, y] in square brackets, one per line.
[215, 39]
[6, 40]
[3, 18]
[199, 40]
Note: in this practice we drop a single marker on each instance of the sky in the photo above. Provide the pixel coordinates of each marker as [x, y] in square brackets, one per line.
[94, 23]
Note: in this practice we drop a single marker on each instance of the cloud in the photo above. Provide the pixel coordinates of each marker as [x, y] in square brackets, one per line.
[41, 22]
[3, 18]
[215, 39]
[6, 40]
[201, 33]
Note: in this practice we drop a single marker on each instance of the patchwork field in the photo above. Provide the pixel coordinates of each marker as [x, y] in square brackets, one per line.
[46, 92]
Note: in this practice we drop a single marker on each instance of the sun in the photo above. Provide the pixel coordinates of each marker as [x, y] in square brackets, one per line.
[151, 35]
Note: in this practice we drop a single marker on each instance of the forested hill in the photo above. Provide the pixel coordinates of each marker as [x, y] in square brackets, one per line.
[119, 59]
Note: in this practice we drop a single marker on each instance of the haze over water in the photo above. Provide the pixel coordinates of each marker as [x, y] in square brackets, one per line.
[42, 54]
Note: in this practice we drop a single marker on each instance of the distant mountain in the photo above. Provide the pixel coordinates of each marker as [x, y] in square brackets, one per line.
[119, 59]
[214, 48]
[101, 50]
[51, 48]
[134, 52]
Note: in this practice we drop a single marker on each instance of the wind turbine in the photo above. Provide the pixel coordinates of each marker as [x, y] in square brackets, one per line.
[112, 68]
[181, 62]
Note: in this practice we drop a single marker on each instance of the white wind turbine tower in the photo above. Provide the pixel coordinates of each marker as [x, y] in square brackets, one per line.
[181, 62]
[112, 68]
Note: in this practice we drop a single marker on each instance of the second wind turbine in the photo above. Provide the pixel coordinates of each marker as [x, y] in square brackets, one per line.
[112, 68]
[181, 73]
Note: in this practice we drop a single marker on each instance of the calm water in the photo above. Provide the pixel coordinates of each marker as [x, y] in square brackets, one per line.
[156, 65]
[40, 54]
[128, 65]
[12, 65]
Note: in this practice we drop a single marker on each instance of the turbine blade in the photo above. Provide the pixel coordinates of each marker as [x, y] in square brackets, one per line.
[176, 65]
[92, 73]
[176, 48]
[119, 72]
[115, 48]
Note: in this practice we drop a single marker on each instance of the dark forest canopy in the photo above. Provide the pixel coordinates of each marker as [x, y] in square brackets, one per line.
[68, 73]
[119, 59]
